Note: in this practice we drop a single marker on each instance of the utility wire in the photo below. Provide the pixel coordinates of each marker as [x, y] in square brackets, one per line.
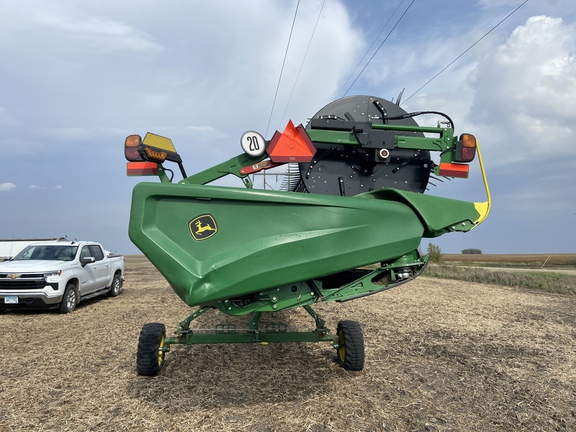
[468, 49]
[282, 69]
[368, 50]
[303, 60]
[376, 52]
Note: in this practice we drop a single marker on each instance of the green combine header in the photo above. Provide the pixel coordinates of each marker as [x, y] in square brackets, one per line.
[350, 226]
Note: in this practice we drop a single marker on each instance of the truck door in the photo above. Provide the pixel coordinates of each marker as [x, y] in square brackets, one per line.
[101, 267]
[88, 279]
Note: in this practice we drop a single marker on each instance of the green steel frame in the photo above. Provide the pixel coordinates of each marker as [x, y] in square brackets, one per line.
[270, 333]
[443, 142]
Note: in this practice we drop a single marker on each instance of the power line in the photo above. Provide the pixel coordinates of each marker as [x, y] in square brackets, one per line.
[282, 69]
[468, 49]
[304, 59]
[376, 52]
[368, 50]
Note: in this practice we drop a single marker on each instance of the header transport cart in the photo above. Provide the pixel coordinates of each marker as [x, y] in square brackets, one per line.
[364, 165]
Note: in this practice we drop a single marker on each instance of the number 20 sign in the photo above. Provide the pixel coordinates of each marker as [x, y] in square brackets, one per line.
[253, 143]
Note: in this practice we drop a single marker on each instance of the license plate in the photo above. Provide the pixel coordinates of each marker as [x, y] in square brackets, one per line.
[11, 300]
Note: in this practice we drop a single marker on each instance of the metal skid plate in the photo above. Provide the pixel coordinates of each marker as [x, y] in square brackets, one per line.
[344, 169]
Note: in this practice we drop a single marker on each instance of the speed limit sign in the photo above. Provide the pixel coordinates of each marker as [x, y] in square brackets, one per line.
[253, 143]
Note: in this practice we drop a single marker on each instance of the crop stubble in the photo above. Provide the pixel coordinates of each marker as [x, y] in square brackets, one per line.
[440, 356]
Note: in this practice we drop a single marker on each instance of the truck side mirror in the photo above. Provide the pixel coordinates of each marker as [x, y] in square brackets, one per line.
[87, 260]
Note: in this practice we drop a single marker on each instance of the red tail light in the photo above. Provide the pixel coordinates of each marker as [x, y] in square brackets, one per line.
[141, 168]
[453, 170]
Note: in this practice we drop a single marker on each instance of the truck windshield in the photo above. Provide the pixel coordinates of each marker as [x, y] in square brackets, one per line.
[47, 252]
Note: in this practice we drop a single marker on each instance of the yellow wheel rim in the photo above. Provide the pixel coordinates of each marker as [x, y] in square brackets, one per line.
[341, 346]
[161, 351]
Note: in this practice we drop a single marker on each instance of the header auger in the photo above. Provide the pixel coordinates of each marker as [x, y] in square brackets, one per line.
[364, 165]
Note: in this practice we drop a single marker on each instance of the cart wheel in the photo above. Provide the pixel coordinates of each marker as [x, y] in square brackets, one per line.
[150, 356]
[350, 346]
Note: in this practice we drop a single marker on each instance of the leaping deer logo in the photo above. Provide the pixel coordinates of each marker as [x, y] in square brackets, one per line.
[203, 227]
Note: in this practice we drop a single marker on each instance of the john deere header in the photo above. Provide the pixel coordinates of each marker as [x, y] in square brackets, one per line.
[360, 199]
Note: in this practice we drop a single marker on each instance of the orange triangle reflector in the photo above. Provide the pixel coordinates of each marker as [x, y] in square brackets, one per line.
[292, 145]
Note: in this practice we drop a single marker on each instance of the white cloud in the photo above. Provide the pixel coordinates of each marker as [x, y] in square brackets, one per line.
[101, 34]
[527, 87]
[4, 187]
[36, 187]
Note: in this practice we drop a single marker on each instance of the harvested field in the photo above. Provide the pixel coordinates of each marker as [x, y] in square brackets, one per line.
[441, 355]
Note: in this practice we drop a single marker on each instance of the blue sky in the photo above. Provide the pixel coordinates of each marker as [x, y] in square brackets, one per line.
[77, 77]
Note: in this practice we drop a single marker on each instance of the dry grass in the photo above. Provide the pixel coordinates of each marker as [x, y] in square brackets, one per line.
[549, 281]
[527, 260]
[442, 355]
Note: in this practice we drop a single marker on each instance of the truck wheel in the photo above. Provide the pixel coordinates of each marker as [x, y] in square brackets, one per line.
[350, 345]
[69, 299]
[115, 287]
[150, 355]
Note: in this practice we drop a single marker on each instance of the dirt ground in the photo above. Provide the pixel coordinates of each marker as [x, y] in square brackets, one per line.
[440, 356]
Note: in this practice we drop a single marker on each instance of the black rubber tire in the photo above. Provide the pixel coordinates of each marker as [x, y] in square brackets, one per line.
[150, 357]
[350, 351]
[115, 286]
[69, 299]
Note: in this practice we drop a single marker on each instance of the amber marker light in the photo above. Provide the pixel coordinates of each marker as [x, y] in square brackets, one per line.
[133, 141]
[156, 155]
[131, 145]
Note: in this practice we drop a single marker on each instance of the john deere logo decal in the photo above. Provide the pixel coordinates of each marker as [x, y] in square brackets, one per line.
[203, 227]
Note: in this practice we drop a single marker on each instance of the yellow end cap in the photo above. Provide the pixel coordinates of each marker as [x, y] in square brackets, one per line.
[483, 209]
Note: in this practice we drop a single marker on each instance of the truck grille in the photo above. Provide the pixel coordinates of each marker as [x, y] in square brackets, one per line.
[24, 282]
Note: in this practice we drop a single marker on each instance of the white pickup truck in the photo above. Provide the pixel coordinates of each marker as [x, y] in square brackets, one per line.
[59, 274]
